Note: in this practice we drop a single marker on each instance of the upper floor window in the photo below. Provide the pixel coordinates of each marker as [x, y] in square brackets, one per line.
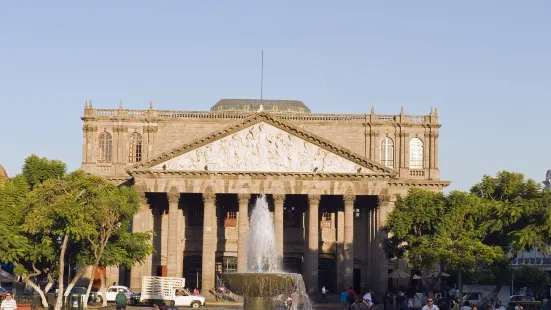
[387, 152]
[105, 147]
[416, 154]
[135, 151]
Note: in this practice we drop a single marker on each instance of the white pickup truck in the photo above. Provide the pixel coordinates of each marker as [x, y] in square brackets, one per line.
[167, 289]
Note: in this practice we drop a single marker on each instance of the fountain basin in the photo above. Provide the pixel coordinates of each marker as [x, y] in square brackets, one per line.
[261, 284]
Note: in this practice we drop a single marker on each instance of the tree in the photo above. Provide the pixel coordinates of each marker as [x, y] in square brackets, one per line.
[32, 255]
[428, 228]
[59, 213]
[533, 277]
[519, 216]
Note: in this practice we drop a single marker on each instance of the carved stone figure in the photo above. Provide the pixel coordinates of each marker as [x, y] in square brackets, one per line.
[261, 147]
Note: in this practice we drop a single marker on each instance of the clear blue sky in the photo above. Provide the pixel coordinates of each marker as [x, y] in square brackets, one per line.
[486, 66]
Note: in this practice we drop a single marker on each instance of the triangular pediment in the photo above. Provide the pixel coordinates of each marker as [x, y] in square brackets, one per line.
[261, 143]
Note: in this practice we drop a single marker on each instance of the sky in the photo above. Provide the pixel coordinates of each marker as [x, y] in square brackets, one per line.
[485, 65]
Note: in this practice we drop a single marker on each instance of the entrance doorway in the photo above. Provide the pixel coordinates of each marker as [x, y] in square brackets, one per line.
[326, 274]
[357, 281]
[192, 271]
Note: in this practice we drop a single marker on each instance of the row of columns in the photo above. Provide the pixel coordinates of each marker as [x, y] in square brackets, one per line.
[345, 238]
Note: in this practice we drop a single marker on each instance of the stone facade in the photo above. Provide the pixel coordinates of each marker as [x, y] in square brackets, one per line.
[331, 180]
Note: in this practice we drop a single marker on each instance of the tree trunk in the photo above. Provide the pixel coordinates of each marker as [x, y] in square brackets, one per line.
[460, 286]
[49, 285]
[59, 301]
[74, 281]
[30, 283]
[92, 276]
[102, 289]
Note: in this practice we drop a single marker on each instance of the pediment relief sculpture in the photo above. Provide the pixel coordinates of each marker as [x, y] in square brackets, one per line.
[261, 148]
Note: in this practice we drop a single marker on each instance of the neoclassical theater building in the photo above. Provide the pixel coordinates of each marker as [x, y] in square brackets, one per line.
[330, 180]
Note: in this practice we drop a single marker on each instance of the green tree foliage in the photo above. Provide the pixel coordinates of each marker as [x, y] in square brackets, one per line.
[518, 211]
[429, 228]
[50, 214]
[533, 277]
[36, 170]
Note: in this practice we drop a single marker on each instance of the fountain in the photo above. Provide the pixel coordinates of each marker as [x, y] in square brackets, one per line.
[265, 279]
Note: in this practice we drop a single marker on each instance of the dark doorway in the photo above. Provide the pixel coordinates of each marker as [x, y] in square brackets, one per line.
[326, 274]
[192, 271]
[357, 280]
[292, 264]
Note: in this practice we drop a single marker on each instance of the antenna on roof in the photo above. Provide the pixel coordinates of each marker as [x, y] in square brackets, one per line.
[262, 75]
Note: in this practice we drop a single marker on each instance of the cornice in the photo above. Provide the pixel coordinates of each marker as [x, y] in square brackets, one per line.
[300, 175]
[405, 183]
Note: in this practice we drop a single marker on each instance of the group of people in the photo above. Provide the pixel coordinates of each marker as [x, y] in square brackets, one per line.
[356, 301]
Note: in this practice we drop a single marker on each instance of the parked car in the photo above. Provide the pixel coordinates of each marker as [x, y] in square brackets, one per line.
[524, 301]
[81, 291]
[112, 291]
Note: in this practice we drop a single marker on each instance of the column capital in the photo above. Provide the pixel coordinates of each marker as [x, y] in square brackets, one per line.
[349, 198]
[209, 197]
[243, 198]
[173, 196]
[279, 198]
[314, 198]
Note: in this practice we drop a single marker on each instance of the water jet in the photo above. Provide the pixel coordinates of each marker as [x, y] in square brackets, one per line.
[265, 280]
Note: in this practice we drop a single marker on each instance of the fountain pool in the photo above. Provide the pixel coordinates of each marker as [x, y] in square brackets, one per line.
[265, 282]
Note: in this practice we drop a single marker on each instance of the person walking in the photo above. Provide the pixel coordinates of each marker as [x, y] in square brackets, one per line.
[344, 297]
[120, 300]
[8, 303]
[323, 295]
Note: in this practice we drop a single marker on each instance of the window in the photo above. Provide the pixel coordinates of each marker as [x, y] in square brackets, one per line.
[226, 264]
[135, 152]
[105, 147]
[416, 154]
[387, 152]
[231, 219]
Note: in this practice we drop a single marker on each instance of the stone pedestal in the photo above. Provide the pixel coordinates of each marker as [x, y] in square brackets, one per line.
[279, 201]
[243, 232]
[348, 262]
[209, 243]
[172, 238]
[312, 252]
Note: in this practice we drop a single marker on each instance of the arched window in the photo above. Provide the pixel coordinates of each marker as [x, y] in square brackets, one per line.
[105, 147]
[135, 151]
[416, 154]
[387, 152]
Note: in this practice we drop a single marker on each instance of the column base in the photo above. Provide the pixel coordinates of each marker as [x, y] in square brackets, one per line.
[257, 303]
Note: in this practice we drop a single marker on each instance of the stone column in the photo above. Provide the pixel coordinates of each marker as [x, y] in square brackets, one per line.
[348, 264]
[279, 200]
[385, 207]
[340, 250]
[142, 222]
[243, 232]
[173, 237]
[312, 254]
[209, 243]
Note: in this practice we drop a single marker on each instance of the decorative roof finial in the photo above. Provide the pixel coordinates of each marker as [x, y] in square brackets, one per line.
[120, 105]
[260, 109]
[90, 104]
[435, 111]
[151, 104]
[372, 109]
[402, 111]
[86, 104]
[431, 111]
